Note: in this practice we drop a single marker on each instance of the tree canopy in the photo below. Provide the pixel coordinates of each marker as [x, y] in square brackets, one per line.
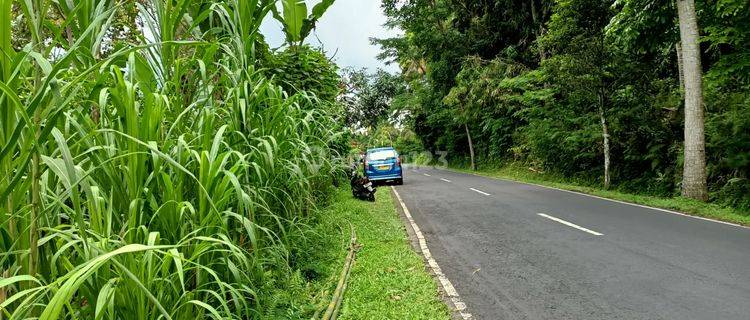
[563, 85]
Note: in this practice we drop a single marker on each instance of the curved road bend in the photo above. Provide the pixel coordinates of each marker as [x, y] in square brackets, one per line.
[517, 251]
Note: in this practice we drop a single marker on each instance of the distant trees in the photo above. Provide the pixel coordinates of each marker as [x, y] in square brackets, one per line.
[582, 63]
[586, 88]
[369, 98]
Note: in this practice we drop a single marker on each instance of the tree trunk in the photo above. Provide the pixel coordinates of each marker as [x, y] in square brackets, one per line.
[471, 148]
[678, 50]
[605, 135]
[694, 169]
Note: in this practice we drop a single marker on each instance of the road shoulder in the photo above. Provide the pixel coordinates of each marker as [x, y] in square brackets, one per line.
[458, 307]
[388, 279]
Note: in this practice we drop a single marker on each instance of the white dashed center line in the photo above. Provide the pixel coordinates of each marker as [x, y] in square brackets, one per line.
[569, 224]
[427, 175]
[446, 180]
[480, 191]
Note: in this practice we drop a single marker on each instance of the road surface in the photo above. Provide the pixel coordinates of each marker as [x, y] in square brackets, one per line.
[518, 251]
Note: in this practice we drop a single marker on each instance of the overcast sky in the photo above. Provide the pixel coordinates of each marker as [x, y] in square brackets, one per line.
[346, 26]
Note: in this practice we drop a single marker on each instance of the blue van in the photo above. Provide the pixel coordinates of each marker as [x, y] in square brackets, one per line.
[383, 164]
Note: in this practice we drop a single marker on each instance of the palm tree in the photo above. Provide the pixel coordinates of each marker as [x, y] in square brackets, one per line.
[694, 170]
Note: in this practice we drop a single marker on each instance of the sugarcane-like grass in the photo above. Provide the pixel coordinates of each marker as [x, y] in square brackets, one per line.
[164, 179]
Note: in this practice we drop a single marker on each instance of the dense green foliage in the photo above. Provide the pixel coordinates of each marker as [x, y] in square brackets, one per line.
[376, 107]
[304, 69]
[164, 179]
[534, 79]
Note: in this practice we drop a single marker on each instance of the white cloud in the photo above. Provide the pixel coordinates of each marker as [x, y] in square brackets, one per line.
[346, 27]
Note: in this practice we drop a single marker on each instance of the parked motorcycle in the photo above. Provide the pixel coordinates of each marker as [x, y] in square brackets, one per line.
[362, 188]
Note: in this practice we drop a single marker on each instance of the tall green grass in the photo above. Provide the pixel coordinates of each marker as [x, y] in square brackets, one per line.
[163, 179]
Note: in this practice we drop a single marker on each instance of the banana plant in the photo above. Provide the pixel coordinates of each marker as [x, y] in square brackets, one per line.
[296, 21]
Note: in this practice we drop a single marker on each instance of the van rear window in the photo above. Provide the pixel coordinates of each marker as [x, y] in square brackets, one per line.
[381, 155]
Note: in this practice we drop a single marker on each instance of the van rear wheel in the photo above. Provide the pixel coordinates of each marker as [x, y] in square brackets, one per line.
[400, 181]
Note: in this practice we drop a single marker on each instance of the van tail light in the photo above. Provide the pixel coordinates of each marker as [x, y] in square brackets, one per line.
[398, 161]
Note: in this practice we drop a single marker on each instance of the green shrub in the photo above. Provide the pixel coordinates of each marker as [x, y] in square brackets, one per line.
[163, 180]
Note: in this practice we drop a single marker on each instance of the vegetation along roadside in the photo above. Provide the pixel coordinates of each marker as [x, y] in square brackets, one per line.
[388, 279]
[153, 166]
[521, 173]
[630, 96]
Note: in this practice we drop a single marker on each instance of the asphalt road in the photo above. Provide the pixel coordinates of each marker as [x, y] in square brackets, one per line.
[582, 258]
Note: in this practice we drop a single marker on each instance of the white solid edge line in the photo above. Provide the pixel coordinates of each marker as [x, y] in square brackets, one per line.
[442, 278]
[569, 224]
[608, 199]
[446, 180]
[480, 191]
[427, 175]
